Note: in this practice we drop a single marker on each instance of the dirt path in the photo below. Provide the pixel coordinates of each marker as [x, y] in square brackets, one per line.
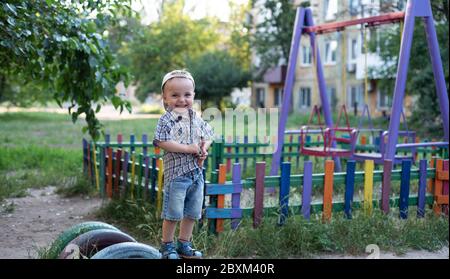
[413, 254]
[36, 220]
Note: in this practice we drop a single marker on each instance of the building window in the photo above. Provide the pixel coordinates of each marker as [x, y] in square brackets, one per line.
[260, 97]
[331, 9]
[383, 99]
[305, 97]
[354, 5]
[370, 7]
[278, 96]
[330, 52]
[353, 49]
[331, 95]
[355, 96]
[306, 56]
[400, 5]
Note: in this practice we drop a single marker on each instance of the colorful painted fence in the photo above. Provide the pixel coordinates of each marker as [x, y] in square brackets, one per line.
[132, 169]
[433, 179]
[123, 173]
[228, 152]
[232, 151]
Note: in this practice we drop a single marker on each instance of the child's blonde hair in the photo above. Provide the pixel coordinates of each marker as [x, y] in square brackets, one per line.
[176, 74]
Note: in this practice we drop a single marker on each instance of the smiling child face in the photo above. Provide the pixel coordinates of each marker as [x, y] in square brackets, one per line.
[179, 93]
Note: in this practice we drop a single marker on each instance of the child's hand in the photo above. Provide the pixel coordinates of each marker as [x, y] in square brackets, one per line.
[193, 149]
[203, 155]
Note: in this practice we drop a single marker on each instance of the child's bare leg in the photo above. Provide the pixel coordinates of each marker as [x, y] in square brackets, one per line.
[186, 228]
[168, 230]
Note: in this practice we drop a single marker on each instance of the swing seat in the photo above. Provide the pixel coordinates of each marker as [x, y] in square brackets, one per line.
[327, 150]
[378, 157]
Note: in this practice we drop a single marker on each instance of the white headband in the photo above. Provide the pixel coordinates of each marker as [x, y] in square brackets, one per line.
[177, 74]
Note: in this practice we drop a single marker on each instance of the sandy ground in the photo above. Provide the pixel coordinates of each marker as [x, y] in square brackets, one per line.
[37, 219]
[421, 254]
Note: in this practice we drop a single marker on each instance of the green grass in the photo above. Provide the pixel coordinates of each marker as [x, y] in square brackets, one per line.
[77, 186]
[297, 238]
[57, 130]
[43, 149]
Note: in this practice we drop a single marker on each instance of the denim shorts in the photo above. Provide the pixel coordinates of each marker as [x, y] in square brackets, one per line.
[183, 197]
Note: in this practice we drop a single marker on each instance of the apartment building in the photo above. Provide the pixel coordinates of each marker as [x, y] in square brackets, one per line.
[344, 59]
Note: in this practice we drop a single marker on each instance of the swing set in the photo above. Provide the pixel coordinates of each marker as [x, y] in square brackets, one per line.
[389, 140]
[329, 135]
[408, 136]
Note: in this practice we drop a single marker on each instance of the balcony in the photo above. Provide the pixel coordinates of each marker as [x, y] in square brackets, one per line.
[275, 75]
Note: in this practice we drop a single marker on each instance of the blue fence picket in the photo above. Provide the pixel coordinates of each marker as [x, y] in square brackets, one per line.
[404, 188]
[349, 188]
[307, 190]
[132, 140]
[284, 191]
[422, 188]
[144, 141]
[236, 197]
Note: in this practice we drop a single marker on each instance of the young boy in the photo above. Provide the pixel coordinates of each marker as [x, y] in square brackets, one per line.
[185, 138]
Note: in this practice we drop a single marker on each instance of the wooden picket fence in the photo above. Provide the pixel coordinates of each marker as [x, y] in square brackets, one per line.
[233, 151]
[134, 170]
[432, 191]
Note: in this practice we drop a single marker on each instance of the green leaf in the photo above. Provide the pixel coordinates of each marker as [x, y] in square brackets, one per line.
[128, 106]
[97, 110]
[84, 129]
[92, 61]
[27, 33]
[54, 49]
[98, 76]
[11, 8]
[73, 43]
[93, 48]
[116, 101]
[91, 27]
[11, 21]
[74, 117]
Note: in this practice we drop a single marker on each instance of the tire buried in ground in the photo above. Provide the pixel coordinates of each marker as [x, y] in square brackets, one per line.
[86, 245]
[68, 235]
[128, 250]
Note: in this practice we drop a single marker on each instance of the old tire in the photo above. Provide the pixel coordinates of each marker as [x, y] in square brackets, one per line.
[89, 243]
[68, 235]
[128, 250]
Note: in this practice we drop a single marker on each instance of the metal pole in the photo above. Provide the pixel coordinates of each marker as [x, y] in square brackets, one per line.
[288, 87]
[400, 82]
[322, 87]
[441, 87]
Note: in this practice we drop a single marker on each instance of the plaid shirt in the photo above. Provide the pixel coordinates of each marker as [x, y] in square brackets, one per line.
[170, 129]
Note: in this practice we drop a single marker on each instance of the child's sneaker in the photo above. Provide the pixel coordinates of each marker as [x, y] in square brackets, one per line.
[168, 251]
[186, 251]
